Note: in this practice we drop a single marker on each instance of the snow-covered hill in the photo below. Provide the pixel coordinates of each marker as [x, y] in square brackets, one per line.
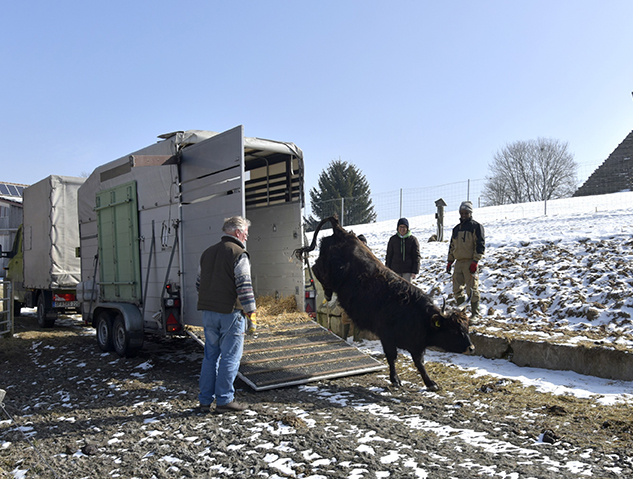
[565, 276]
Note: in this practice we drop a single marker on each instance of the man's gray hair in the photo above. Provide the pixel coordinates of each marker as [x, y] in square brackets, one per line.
[231, 225]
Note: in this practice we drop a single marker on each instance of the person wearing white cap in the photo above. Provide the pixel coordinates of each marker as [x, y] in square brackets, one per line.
[466, 248]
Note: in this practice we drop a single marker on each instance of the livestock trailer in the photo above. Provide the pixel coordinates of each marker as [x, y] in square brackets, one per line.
[145, 219]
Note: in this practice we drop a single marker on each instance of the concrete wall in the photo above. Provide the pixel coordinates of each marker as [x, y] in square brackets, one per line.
[593, 361]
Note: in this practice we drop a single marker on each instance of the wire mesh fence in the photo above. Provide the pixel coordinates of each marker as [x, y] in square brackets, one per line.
[411, 202]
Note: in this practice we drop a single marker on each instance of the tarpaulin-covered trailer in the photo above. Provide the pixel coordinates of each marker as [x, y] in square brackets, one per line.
[44, 268]
[145, 219]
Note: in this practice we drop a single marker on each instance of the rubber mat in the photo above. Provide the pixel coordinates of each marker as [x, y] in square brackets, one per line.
[290, 354]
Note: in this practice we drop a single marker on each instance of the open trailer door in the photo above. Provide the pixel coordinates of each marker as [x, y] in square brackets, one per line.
[212, 188]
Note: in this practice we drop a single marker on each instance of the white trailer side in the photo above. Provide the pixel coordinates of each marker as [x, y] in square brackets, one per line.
[146, 218]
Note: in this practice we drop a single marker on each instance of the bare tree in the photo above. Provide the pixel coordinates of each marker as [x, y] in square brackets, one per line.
[533, 170]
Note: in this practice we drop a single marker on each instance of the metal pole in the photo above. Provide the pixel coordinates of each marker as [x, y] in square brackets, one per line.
[342, 211]
[468, 191]
[400, 203]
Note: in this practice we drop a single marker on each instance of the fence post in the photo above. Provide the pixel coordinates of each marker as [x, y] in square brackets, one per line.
[400, 203]
[342, 211]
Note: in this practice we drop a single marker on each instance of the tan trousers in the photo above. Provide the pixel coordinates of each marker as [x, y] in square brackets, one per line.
[464, 283]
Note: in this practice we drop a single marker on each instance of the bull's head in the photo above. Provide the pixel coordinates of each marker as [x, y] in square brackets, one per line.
[322, 275]
[325, 266]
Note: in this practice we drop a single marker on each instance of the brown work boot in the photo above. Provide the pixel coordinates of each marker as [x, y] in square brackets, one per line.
[233, 406]
[476, 314]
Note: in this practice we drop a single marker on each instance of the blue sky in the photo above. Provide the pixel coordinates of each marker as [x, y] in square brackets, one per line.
[414, 93]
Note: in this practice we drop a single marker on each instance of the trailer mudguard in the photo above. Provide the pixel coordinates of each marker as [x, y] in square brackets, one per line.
[131, 316]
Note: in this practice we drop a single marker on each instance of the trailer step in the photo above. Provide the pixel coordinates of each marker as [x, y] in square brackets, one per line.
[290, 354]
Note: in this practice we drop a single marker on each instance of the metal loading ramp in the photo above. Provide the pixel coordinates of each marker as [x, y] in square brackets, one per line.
[296, 353]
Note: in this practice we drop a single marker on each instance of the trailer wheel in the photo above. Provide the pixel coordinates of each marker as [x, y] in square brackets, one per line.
[104, 332]
[42, 312]
[121, 338]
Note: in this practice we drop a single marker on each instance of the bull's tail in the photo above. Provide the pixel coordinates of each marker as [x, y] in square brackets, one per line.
[301, 252]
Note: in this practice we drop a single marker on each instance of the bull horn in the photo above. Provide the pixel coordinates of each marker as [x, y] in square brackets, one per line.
[300, 252]
[443, 305]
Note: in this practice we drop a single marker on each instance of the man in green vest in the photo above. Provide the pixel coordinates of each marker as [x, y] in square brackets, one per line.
[227, 301]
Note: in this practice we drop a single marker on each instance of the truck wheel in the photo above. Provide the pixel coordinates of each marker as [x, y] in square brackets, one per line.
[42, 320]
[104, 332]
[121, 338]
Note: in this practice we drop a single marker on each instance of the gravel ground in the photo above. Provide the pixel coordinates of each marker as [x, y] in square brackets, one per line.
[88, 414]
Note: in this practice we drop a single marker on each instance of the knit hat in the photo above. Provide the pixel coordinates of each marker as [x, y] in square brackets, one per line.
[467, 206]
[403, 221]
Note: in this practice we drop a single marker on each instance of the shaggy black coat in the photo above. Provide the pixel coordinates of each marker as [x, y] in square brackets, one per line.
[380, 301]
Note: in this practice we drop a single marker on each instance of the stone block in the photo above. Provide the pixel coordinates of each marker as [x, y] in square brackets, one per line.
[599, 362]
[490, 347]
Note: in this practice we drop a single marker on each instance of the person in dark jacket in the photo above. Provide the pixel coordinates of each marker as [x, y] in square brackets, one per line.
[403, 252]
[227, 301]
[467, 247]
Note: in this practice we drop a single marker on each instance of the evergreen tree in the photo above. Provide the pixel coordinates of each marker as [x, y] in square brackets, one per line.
[342, 190]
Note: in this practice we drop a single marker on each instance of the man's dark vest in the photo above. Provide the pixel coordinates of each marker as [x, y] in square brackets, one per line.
[217, 276]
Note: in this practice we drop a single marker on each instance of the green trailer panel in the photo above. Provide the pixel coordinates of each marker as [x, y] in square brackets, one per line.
[119, 257]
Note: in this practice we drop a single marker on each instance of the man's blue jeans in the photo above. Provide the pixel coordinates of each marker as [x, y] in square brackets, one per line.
[223, 347]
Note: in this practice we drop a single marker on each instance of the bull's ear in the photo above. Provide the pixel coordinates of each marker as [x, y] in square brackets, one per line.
[436, 321]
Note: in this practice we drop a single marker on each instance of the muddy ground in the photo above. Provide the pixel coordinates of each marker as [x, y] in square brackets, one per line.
[89, 414]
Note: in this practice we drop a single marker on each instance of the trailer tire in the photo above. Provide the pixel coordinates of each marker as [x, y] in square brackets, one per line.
[42, 312]
[104, 332]
[121, 338]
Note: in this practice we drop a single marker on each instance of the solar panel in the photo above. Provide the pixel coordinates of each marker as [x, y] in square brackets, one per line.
[11, 190]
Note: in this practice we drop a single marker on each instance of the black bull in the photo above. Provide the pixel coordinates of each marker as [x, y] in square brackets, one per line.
[380, 301]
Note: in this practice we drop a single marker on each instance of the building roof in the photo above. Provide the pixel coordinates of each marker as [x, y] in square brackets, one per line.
[11, 199]
[11, 190]
[615, 174]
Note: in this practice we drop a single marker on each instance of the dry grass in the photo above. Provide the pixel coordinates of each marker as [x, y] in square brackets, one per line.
[583, 422]
[272, 311]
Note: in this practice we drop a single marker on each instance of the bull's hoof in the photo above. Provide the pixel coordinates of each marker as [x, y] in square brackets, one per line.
[432, 387]
[396, 383]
